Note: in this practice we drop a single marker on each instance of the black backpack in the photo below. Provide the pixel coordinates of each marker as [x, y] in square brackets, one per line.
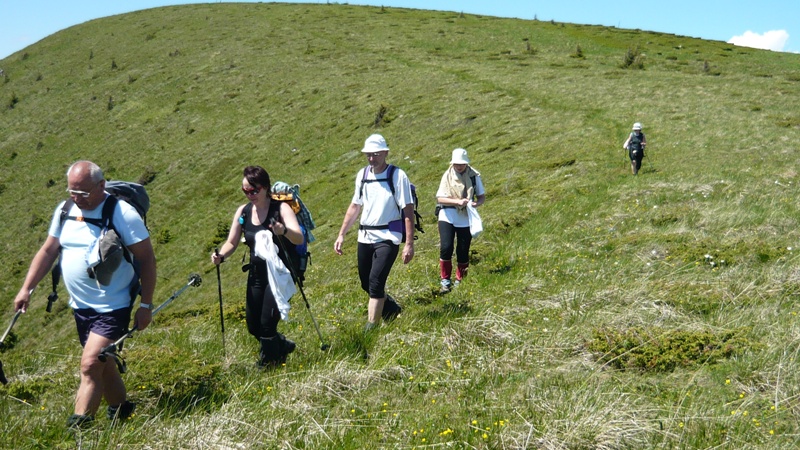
[390, 181]
[132, 193]
[635, 143]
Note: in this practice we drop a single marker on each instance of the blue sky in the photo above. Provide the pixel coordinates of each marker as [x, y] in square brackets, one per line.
[769, 24]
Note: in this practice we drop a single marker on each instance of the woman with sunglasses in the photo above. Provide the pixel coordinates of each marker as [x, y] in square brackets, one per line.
[262, 213]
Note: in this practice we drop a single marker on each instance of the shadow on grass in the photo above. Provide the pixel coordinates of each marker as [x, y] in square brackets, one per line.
[449, 310]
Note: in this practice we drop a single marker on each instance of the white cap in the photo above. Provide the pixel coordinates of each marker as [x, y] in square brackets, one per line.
[637, 126]
[459, 157]
[375, 143]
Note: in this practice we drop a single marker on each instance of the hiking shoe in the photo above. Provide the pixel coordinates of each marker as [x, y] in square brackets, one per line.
[271, 354]
[121, 412]
[455, 285]
[79, 421]
[391, 309]
[446, 286]
[369, 327]
[287, 346]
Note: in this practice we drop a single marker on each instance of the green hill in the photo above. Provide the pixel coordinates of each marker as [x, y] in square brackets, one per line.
[602, 310]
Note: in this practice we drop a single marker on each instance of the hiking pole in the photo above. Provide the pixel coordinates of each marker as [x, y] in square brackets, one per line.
[299, 282]
[111, 350]
[3, 379]
[11, 325]
[221, 315]
[55, 275]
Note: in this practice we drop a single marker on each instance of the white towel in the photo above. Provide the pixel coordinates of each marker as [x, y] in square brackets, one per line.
[280, 278]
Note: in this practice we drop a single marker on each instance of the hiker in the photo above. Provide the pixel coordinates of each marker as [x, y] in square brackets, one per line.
[381, 228]
[267, 219]
[101, 302]
[461, 185]
[635, 146]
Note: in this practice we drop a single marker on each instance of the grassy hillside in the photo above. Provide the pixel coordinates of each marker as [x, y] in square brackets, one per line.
[601, 310]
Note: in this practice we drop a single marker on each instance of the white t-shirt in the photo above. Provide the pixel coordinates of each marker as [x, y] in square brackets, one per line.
[76, 237]
[378, 205]
[459, 219]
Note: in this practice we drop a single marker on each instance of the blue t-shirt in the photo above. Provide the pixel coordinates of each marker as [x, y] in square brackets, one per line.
[76, 238]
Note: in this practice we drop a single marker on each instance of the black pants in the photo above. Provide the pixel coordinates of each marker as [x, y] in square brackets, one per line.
[261, 309]
[447, 234]
[374, 264]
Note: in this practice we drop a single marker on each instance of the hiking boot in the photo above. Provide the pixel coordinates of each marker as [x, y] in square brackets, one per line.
[287, 346]
[391, 309]
[446, 285]
[271, 352]
[121, 412]
[79, 421]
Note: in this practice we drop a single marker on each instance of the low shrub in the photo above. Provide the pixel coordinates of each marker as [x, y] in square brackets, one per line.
[662, 350]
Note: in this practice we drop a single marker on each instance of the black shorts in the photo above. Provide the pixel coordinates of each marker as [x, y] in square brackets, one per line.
[111, 325]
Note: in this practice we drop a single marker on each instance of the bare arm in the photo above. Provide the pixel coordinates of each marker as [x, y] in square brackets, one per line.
[408, 249]
[289, 226]
[452, 201]
[349, 219]
[40, 265]
[143, 253]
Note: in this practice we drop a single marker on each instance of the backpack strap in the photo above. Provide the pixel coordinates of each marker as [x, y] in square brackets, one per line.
[104, 222]
[391, 168]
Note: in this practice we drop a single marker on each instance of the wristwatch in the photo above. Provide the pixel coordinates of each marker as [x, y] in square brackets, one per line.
[146, 305]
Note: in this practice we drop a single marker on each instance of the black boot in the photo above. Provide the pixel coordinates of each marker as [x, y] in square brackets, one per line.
[287, 346]
[79, 421]
[391, 309]
[121, 412]
[271, 352]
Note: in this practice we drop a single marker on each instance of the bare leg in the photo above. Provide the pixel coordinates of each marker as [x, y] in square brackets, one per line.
[98, 378]
[374, 310]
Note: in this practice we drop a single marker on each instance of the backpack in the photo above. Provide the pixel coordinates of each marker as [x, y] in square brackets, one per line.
[635, 144]
[295, 257]
[390, 181]
[133, 194]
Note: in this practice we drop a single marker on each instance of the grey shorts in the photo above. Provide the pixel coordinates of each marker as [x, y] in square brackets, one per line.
[111, 325]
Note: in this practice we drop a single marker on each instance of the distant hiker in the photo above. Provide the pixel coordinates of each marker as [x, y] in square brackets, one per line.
[387, 218]
[101, 302]
[461, 185]
[635, 146]
[268, 227]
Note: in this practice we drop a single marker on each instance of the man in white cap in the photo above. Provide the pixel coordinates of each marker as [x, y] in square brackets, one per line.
[635, 146]
[101, 304]
[384, 200]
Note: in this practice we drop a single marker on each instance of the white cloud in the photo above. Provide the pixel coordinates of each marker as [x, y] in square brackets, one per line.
[771, 40]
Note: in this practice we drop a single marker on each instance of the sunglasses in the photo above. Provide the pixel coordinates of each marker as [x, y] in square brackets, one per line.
[253, 191]
[82, 194]
[373, 155]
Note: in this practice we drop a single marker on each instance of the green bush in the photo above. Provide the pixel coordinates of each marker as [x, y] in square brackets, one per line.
[662, 350]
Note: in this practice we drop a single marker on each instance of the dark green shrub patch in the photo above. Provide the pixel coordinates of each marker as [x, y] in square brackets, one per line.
[662, 350]
[29, 391]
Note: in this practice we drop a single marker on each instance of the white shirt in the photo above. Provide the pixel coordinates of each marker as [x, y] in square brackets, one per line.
[76, 237]
[378, 205]
[459, 219]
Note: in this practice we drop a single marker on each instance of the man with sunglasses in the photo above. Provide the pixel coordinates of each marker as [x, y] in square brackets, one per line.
[381, 229]
[102, 311]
